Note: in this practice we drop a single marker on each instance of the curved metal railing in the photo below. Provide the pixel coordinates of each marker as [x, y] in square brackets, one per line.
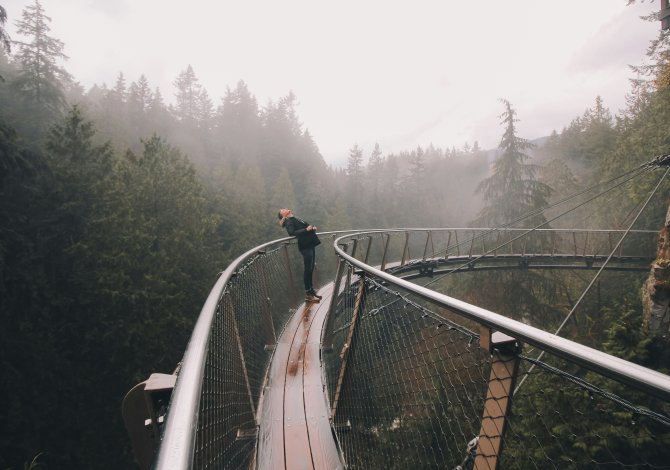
[212, 418]
[425, 379]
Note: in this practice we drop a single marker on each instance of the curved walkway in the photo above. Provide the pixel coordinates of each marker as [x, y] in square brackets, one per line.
[294, 426]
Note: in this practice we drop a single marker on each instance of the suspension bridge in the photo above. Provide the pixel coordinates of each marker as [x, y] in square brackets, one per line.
[388, 371]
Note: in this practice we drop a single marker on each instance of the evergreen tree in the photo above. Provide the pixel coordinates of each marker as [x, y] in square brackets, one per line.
[282, 195]
[373, 182]
[41, 78]
[513, 189]
[5, 41]
[188, 97]
[355, 163]
[238, 125]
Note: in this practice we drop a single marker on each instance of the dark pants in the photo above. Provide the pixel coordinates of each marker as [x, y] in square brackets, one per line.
[309, 258]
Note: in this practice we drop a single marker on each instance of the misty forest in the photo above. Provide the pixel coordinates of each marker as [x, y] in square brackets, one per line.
[121, 203]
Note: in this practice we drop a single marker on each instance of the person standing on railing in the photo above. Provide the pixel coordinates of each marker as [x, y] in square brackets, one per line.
[307, 242]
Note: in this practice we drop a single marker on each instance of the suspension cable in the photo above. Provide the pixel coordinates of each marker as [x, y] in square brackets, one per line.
[469, 262]
[632, 173]
[595, 277]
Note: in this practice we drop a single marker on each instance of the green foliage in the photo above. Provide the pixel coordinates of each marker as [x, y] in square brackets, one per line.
[575, 424]
[41, 80]
[5, 41]
[106, 257]
[513, 189]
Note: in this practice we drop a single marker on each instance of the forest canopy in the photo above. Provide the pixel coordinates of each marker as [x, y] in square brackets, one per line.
[118, 209]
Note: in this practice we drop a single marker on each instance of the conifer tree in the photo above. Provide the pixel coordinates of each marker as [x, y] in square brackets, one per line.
[5, 41]
[513, 189]
[238, 124]
[188, 96]
[41, 78]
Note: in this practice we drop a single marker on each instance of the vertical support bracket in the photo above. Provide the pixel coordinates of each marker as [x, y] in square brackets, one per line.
[367, 250]
[229, 308]
[446, 252]
[265, 301]
[504, 367]
[346, 349]
[291, 284]
[429, 241]
[405, 250]
[336, 288]
[386, 249]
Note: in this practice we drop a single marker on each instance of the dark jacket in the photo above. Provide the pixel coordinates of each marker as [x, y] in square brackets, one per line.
[298, 228]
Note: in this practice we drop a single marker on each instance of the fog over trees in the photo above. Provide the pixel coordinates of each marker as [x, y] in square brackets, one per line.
[120, 203]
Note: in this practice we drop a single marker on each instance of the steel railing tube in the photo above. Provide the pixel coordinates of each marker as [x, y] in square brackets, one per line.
[631, 374]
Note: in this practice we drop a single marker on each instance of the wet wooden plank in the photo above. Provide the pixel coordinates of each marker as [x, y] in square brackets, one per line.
[296, 439]
[322, 442]
[270, 451]
[293, 414]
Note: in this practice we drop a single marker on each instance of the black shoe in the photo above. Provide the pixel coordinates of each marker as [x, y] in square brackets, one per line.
[312, 298]
[314, 294]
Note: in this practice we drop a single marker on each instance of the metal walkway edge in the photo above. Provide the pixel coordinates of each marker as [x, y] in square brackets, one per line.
[293, 416]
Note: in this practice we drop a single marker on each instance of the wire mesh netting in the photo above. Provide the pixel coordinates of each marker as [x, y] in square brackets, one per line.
[251, 313]
[564, 417]
[412, 390]
[408, 380]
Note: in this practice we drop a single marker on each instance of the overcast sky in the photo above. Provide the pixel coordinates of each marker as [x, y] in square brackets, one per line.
[401, 73]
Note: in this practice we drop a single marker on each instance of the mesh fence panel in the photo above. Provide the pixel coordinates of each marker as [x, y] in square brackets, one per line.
[565, 417]
[408, 380]
[255, 306]
[414, 384]
[251, 313]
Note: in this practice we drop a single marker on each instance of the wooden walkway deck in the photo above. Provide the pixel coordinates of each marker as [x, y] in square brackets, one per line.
[295, 432]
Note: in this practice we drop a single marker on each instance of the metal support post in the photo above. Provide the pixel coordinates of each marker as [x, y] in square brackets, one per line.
[367, 250]
[291, 285]
[429, 240]
[586, 242]
[405, 250]
[386, 248]
[446, 252]
[229, 308]
[265, 301]
[336, 288]
[346, 349]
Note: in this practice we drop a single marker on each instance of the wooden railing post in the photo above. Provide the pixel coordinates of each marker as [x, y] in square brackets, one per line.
[504, 367]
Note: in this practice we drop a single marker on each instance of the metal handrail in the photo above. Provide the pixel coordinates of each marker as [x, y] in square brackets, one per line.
[178, 441]
[631, 374]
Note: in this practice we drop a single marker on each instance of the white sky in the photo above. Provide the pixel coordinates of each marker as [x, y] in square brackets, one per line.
[401, 73]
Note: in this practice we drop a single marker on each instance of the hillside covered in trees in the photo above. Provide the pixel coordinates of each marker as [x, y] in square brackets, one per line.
[119, 205]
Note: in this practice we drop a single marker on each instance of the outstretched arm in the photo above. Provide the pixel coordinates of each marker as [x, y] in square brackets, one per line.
[292, 231]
